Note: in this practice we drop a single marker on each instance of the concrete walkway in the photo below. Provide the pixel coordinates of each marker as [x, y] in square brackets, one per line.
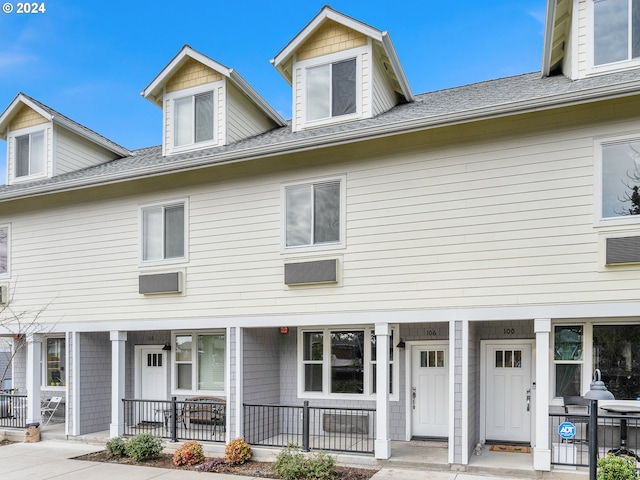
[53, 459]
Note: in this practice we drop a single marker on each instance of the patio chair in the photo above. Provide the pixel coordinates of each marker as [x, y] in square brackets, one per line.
[49, 408]
[578, 405]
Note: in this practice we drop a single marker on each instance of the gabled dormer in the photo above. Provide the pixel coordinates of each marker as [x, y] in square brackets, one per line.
[206, 104]
[42, 143]
[341, 70]
[584, 38]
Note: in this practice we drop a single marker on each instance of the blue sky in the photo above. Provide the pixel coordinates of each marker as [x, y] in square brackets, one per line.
[90, 60]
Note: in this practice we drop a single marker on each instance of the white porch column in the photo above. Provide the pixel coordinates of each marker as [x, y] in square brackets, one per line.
[118, 344]
[541, 450]
[383, 442]
[34, 354]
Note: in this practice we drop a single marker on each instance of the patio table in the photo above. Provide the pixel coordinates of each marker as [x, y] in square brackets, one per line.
[623, 410]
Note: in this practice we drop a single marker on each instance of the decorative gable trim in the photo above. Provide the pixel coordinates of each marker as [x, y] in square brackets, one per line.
[283, 60]
[155, 91]
[21, 101]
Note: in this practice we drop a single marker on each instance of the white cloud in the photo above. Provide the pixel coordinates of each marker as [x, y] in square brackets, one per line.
[10, 60]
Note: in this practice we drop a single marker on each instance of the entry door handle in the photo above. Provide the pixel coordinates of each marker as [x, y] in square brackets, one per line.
[413, 397]
[528, 399]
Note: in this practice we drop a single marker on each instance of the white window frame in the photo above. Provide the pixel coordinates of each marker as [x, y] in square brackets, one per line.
[305, 65]
[7, 274]
[598, 219]
[194, 358]
[14, 152]
[170, 147]
[45, 362]
[164, 204]
[606, 67]
[326, 364]
[341, 243]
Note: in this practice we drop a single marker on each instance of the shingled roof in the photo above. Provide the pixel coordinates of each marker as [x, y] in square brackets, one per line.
[469, 103]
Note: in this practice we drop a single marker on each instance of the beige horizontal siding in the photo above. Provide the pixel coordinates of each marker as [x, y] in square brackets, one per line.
[74, 153]
[493, 214]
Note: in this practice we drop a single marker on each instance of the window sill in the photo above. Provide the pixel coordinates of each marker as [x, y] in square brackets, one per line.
[345, 396]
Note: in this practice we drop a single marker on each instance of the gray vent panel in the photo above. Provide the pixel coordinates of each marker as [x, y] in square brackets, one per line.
[623, 250]
[319, 271]
[159, 283]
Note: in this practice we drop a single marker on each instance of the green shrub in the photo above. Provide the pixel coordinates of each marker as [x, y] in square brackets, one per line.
[116, 447]
[190, 453]
[291, 464]
[616, 468]
[237, 451]
[143, 446]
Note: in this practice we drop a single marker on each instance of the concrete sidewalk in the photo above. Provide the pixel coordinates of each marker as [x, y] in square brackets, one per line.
[52, 459]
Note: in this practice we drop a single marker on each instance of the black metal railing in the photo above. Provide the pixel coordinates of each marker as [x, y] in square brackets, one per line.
[618, 434]
[202, 419]
[311, 428]
[13, 410]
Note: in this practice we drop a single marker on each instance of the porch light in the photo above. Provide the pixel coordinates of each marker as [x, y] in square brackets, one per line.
[598, 390]
[167, 346]
[400, 344]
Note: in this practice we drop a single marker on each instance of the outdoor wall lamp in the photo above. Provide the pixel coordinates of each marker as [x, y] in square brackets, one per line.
[597, 391]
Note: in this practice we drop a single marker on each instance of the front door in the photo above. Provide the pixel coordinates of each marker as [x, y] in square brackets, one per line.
[507, 405]
[430, 389]
[151, 375]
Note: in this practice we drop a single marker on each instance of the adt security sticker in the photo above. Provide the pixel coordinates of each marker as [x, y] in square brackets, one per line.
[567, 430]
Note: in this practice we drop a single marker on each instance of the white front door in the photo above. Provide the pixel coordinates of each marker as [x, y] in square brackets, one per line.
[430, 389]
[508, 402]
[151, 372]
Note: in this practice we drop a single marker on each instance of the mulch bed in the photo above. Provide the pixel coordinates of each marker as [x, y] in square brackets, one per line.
[249, 469]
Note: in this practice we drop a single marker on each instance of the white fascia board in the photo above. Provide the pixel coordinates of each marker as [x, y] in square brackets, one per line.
[339, 138]
[156, 86]
[6, 116]
[255, 97]
[389, 49]
[547, 46]
[92, 136]
[327, 13]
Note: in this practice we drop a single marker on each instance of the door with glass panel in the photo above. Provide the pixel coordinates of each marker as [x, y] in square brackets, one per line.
[151, 378]
[508, 391]
[429, 393]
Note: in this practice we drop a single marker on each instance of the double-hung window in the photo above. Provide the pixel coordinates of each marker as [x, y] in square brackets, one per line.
[342, 361]
[30, 155]
[618, 180]
[568, 358]
[331, 90]
[199, 362]
[616, 31]
[4, 250]
[314, 214]
[164, 232]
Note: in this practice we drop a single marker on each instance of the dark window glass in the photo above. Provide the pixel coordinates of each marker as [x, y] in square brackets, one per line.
[616, 352]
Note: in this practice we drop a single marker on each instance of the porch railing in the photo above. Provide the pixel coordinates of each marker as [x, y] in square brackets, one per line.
[311, 428]
[176, 419]
[13, 410]
[615, 434]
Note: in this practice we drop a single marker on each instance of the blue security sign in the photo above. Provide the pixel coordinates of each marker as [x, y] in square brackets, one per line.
[567, 430]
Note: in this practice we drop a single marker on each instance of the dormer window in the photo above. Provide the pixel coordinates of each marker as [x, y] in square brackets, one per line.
[193, 119]
[616, 31]
[30, 154]
[331, 90]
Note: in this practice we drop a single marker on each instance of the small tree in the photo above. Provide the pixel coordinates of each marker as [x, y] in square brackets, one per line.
[20, 325]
